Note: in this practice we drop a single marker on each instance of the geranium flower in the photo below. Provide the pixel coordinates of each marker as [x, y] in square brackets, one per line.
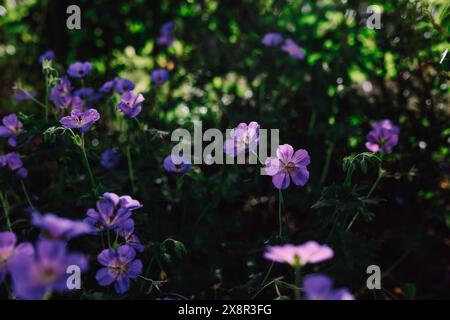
[383, 136]
[320, 287]
[54, 227]
[287, 166]
[176, 164]
[61, 93]
[12, 127]
[118, 84]
[120, 266]
[131, 104]
[111, 211]
[126, 231]
[309, 252]
[110, 158]
[79, 69]
[244, 138]
[8, 242]
[159, 76]
[38, 273]
[47, 55]
[80, 120]
[272, 39]
[14, 161]
[165, 38]
[293, 49]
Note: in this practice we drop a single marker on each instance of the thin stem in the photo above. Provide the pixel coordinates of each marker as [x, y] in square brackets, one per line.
[5, 207]
[130, 170]
[109, 238]
[298, 276]
[327, 163]
[88, 167]
[267, 274]
[26, 194]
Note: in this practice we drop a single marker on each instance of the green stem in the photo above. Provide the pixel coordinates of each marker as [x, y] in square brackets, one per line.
[130, 170]
[109, 238]
[267, 274]
[88, 167]
[26, 194]
[298, 276]
[5, 207]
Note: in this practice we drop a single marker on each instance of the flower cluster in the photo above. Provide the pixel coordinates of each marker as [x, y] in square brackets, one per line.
[274, 39]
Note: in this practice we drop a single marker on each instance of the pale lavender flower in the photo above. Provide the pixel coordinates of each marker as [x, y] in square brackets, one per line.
[80, 120]
[243, 138]
[293, 49]
[272, 39]
[54, 227]
[131, 104]
[308, 253]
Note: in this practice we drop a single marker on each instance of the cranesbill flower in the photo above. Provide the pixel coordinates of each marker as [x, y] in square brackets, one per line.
[61, 93]
[272, 39]
[110, 158]
[320, 287]
[15, 163]
[176, 164]
[111, 211]
[119, 267]
[131, 104]
[126, 231]
[383, 136]
[287, 166]
[36, 273]
[309, 252]
[123, 85]
[79, 69]
[166, 38]
[80, 120]
[54, 227]
[12, 127]
[47, 55]
[8, 242]
[159, 76]
[293, 49]
[244, 138]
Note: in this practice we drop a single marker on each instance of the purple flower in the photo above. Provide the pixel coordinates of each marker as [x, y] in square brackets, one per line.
[165, 38]
[112, 211]
[293, 49]
[309, 252]
[79, 69]
[60, 93]
[80, 120]
[176, 164]
[11, 129]
[118, 84]
[24, 96]
[320, 287]
[159, 76]
[7, 246]
[131, 104]
[54, 227]
[12, 159]
[119, 267]
[107, 86]
[272, 39]
[84, 92]
[383, 136]
[287, 166]
[167, 28]
[244, 138]
[47, 55]
[126, 231]
[38, 273]
[110, 158]
[22, 173]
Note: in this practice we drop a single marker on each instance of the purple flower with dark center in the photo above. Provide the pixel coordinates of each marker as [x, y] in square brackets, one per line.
[54, 227]
[123, 85]
[24, 96]
[293, 49]
[287, 166]
[47, 55]
[8, 242]
[126, 231]
[383, 136]
[79, 69]
[119, 267]
[131, 104]
[112, 211]
[80, 120]
[244, 138]
[110, 158]
[11, 129]
[320, 287]
[272, 39]
[36, 274]
[159, 76]
[176, 164]
[309, 252]
[61, 93]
